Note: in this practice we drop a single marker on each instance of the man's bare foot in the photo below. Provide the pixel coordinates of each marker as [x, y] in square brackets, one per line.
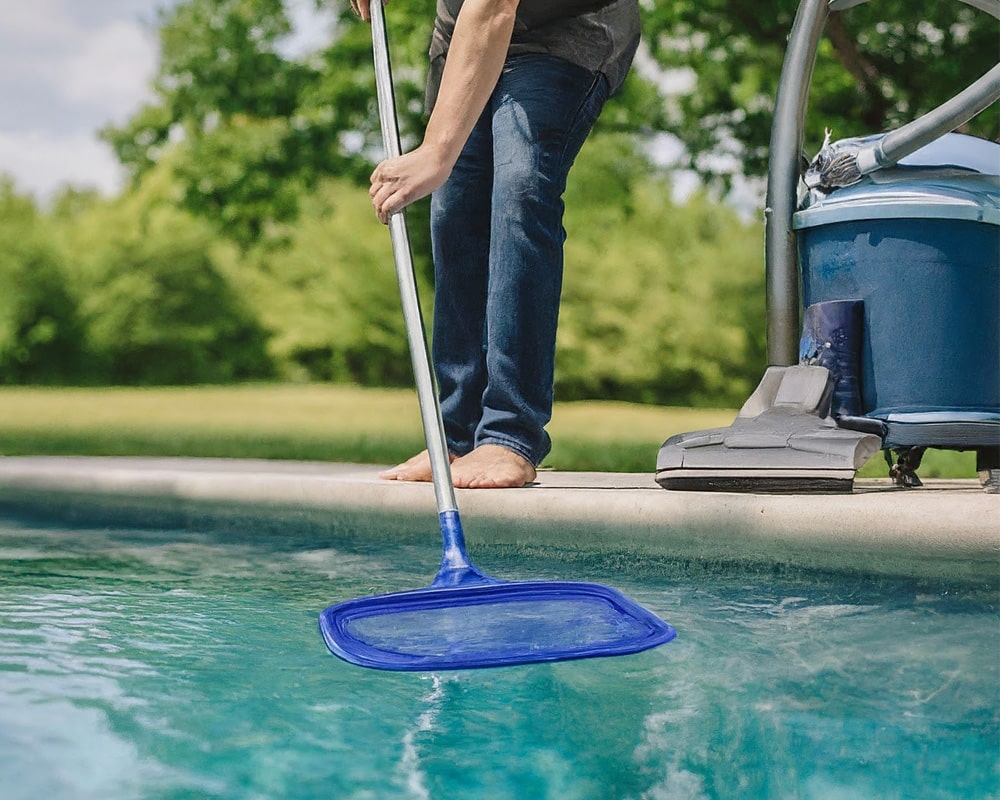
[491, 466]
[417, 468]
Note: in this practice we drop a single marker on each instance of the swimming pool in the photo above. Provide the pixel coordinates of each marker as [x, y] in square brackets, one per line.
[186, 663]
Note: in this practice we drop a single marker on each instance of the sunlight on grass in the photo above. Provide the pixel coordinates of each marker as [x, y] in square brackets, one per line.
[308, 409]
[312, 421]
[605, 421]
[335, 423]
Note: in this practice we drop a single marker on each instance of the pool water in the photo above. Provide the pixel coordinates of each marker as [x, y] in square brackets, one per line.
[183, 664]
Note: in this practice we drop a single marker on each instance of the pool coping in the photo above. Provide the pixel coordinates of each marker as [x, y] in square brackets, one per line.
[947, 529]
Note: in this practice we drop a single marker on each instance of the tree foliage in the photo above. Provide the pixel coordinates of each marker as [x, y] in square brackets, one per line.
[155, 306]
[329, 298]
[257, 128]
[880, 64]
[662, 301]
[251, 130]
[40, 331]
[245, 246]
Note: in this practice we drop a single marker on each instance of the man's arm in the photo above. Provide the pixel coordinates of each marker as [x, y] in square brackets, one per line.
[475, 58]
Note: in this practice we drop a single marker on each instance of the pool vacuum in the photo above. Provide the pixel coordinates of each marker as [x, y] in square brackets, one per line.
[897, 238]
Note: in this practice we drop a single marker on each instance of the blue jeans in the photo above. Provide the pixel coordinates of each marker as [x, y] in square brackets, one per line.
[497, 236]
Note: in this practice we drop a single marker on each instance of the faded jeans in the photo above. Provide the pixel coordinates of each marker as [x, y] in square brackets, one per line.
[497, 237]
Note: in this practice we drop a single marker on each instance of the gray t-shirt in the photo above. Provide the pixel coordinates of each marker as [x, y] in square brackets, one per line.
[598, 35]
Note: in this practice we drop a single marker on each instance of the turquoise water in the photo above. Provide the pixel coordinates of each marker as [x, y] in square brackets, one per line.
[179, 664]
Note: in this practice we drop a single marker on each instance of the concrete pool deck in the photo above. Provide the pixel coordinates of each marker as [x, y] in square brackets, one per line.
[948, 529]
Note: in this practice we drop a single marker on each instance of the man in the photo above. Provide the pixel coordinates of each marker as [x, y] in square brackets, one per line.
[514, 88]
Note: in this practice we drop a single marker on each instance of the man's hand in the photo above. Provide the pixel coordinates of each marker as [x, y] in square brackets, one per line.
[363, 9]
[397, 182]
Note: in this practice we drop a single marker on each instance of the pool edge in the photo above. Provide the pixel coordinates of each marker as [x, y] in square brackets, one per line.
[946, 530]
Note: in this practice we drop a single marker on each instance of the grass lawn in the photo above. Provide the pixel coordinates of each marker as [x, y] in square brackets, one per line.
[334, 423]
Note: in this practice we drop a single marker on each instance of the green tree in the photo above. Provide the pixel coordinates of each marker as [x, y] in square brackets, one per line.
[272, 148]
[257, 128]
[156, 306]
[41, 339]
[663, 302]
[880, 64]
[329, 297]
[225, 92]
[249, 130]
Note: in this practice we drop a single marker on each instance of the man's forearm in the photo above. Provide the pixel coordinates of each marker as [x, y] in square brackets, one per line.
[475, 58]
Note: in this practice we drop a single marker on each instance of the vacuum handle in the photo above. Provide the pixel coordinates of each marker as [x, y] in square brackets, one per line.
[899, 143]
[430, 408]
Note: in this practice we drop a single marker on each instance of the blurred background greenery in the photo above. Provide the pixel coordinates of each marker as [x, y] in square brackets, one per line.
[244, 248]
